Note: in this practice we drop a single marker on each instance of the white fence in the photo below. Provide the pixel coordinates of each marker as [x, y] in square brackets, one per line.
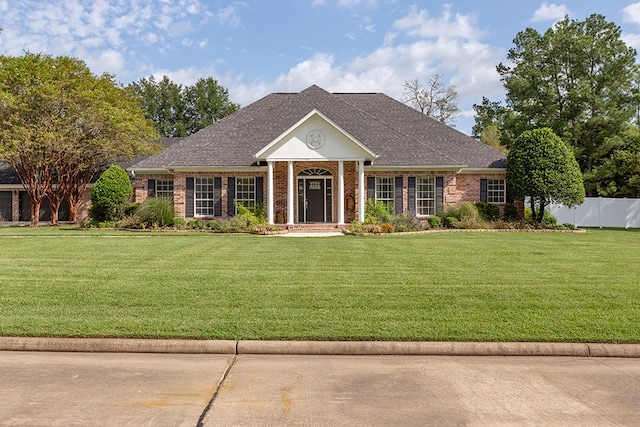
[600, 212]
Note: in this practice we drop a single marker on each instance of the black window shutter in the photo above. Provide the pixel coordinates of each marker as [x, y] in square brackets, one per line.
[412, 194]
[439, 193]
[217, 194]
[398, 195]
[231, 195]
[259, 195]
[190, 199]
[483, 190]
[151, 188]
[371, 187]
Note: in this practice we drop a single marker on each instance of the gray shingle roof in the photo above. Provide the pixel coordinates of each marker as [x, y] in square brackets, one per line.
[7, 174]
[400, 135]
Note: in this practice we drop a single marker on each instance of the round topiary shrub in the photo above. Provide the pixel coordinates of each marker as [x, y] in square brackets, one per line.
[110, 195]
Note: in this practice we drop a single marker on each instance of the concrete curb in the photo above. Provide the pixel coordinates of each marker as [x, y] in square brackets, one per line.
[400, 348]
[116, 345]
[413, 348]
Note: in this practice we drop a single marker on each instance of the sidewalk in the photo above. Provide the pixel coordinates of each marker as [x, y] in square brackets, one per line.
[40, 388]
[116, 345]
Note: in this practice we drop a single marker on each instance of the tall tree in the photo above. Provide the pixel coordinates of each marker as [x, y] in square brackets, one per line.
[60, 124]
[576, 79]
[488, 123]
[163, 104]
[180, 110]
[207, 102]
[433, 99]
[619, 175]
[540, 166]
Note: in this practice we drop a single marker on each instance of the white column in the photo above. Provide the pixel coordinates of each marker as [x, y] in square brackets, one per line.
[270, 193]
[340, 192]
[290, 193]
[361, 191]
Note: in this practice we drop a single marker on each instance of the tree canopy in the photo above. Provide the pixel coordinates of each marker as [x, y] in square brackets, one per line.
[540, 166]
[60, 125]
[433, 99]
[577, 79]
[180, 110]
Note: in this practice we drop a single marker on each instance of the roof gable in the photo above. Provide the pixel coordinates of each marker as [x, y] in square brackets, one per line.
[315, 137]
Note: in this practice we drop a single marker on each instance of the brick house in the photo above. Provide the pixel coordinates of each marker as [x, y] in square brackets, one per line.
[315, 157]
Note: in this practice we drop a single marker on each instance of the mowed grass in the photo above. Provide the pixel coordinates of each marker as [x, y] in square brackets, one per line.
[447, 286]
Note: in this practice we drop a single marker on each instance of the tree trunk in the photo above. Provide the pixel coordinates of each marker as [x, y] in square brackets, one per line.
[74, 197]
[532, 205]
[55, 206]
[35, 211]
[73, 210]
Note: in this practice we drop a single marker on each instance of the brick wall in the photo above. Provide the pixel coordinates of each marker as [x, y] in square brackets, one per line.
[457, 187]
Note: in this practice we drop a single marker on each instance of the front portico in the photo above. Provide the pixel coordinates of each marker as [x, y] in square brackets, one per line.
[317, 139]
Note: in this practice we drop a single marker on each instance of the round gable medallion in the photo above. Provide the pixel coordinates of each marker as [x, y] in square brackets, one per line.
[315, 139]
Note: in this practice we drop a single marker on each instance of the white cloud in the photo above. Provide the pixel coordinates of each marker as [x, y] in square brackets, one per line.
[418, 23]
[631, 13]
[96, 31]
[550, 12]
[230, 16]
[108, 61]
[632, 40]
[347, 3]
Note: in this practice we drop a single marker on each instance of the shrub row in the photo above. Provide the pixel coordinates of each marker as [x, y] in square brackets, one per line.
[465, 215]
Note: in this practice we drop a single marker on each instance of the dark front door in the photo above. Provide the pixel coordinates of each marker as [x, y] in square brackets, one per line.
[315, 200]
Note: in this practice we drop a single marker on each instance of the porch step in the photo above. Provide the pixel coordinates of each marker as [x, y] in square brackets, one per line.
[315, 228]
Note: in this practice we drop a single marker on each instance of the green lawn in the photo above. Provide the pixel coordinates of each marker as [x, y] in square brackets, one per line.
[445, 286]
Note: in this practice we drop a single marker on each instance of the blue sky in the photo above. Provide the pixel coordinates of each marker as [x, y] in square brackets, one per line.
[255, 47]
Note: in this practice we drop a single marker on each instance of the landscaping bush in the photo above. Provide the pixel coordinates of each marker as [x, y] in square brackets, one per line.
[502, 225]
[372, 228]
[131, 221]
[548, 220]
[179, 222]
[434, 221]
[246, 219]
[110, 195]
[510, 212]
[376, 212]
[387, 228]
[466, 216]
[196, 224]
[488, 211]
[451, 222]
[405, 222]
[156, 212]
[355, 227]
[213, 225]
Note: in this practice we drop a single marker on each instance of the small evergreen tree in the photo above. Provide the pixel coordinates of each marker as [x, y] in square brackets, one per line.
[110, 195]
[540, 166]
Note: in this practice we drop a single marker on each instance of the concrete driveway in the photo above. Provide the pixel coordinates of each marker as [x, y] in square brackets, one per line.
[120, 389]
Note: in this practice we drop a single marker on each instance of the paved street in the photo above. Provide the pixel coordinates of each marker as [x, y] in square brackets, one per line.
[119, 389]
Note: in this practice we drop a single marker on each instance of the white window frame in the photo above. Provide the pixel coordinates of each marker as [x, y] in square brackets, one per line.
[496, 191]
[425, 195]
[164, 188]
[246, 191]
[204, 197]
[386, 191]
